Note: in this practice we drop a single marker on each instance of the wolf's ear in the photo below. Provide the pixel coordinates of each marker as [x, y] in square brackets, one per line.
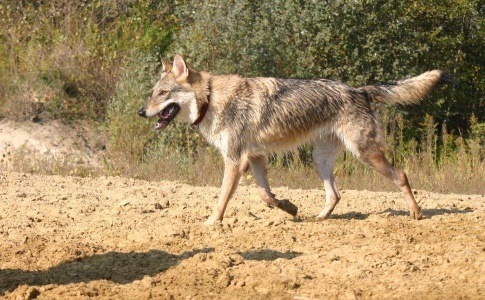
[166, 66]
[179, 68]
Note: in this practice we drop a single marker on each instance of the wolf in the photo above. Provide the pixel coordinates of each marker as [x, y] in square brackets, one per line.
[247, 119]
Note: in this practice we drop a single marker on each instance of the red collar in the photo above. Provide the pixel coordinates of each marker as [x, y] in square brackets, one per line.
[203, 110]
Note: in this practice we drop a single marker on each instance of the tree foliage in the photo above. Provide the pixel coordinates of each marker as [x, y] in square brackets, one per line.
[360, 42]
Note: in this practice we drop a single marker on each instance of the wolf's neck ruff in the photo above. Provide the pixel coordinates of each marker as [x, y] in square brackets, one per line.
[204, 108]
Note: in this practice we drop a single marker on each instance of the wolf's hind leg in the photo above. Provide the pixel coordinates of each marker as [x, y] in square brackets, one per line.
[374, 157]
[258, 164]
[229, 185]
[324, 155]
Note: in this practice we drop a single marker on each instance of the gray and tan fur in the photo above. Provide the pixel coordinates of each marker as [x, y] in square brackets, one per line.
[249, 118]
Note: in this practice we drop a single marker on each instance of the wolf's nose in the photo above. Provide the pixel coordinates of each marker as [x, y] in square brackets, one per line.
[142, 112]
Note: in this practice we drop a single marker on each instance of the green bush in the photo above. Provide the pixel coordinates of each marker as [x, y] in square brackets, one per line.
[68, 55]
[360, 42]
[128, 133]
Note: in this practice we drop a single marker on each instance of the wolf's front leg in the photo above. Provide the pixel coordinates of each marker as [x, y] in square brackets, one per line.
[258, 164]
[229, 185]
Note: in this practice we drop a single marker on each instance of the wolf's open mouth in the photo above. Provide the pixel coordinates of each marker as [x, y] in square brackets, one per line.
[167, 115]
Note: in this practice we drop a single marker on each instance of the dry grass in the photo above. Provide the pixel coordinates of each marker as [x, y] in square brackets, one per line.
[440, 163]
[461, 174]
[27, 161]
[449, 177]
[464, 176]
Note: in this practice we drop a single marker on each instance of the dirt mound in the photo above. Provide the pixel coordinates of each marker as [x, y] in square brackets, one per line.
[79, 144]
[110, 237]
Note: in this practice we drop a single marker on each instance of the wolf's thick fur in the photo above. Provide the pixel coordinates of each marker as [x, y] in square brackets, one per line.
[249, 118]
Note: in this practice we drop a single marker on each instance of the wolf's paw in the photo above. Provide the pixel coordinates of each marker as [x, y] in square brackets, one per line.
[416, 213]
[211, 221]
[319, 218]
[288, 207]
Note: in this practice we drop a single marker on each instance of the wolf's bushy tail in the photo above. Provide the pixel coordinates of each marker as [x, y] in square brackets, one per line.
[407, 91]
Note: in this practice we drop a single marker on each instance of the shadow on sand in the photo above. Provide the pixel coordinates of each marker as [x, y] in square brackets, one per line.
[428, 213]
[353, 215]
[117, 267]
[268, 255]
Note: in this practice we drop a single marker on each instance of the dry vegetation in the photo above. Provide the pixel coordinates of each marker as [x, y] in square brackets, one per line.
[97, 60]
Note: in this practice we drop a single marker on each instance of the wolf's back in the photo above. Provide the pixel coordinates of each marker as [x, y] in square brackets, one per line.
[408, 91]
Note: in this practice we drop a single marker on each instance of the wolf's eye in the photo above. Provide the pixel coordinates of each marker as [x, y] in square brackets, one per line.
[161, 93]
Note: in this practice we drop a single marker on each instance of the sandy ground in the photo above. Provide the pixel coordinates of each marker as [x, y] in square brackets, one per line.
[118, 238]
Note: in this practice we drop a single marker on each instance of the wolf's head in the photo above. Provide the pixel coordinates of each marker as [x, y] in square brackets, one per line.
[177, 93]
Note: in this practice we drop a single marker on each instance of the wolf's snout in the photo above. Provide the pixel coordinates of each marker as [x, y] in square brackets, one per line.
[142, 112]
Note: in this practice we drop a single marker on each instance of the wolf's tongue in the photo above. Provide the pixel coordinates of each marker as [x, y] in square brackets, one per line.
[167, 115]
